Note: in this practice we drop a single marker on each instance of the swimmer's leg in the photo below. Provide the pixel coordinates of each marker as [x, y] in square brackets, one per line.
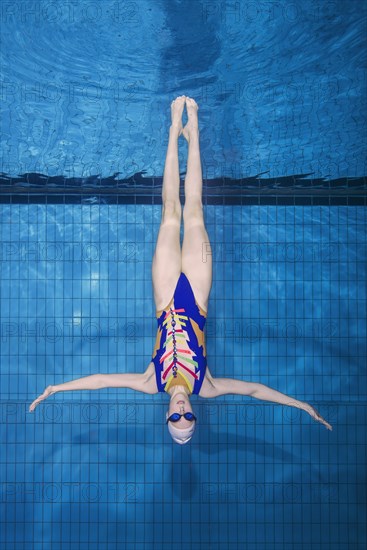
[166, 266]
[196, 250]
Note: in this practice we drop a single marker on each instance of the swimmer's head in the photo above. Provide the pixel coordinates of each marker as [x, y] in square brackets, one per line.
[180, 428]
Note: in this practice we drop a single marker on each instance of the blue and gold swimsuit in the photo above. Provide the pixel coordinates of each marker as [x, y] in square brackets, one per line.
[179, 354]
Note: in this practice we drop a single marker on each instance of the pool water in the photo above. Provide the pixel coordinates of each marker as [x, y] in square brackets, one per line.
[86, 88]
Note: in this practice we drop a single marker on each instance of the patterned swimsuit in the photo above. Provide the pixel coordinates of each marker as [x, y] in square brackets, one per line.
[180, 353]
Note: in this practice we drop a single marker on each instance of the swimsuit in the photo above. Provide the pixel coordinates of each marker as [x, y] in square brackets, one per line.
[179, 354]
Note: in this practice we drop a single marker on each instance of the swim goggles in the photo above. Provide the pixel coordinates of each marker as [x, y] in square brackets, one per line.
[175, 417]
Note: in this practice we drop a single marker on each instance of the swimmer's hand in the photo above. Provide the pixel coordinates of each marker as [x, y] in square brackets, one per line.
[48, 391]
[317, 416]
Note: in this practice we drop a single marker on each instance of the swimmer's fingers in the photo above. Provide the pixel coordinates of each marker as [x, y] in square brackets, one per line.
[48, 391]
[317, 416]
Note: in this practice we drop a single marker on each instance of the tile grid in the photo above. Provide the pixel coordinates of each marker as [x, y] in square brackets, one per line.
[130, 462]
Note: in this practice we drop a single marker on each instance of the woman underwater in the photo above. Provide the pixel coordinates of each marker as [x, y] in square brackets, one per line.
[181, 282]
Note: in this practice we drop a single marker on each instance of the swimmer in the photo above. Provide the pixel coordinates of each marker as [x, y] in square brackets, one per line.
[182, 281]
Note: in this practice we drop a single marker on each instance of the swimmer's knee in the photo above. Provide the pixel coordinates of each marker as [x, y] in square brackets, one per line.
[193, 213]
[171, 211]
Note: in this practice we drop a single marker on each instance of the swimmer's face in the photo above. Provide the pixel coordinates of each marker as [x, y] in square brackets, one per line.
[180, 403]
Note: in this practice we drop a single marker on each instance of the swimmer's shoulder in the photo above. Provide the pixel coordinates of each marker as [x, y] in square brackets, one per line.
[208, 386]
[150, 382]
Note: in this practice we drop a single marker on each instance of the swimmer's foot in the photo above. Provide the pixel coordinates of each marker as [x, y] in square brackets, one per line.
[192, 127]
[177, 107]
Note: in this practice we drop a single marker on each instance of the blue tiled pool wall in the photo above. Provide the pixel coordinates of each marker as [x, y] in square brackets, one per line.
[92, 469]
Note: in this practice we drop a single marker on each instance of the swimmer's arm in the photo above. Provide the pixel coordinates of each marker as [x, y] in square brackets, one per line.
[85, 383]
[139, 382]
[223, 386]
